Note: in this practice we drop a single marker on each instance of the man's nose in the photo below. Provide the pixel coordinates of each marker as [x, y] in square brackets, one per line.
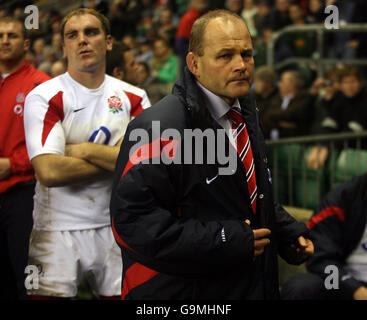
[82, 38]
[4, 38]
[239, 63]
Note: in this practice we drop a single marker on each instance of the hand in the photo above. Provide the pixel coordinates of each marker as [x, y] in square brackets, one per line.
[353, 44]
[317, 157]
[260, 240]
[316, 86]
[287, 125]
[300, 250]
[76, 150]
[5, 168]
[360, 293]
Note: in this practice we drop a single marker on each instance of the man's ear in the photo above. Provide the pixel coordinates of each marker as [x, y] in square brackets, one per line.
[63, 51]
[118, 73]
[27, 45]
[109, 42]
[193, 64]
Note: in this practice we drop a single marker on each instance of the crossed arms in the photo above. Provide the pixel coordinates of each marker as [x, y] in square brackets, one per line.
[82, 162]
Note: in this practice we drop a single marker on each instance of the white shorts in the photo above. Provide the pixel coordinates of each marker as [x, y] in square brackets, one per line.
[63, 258]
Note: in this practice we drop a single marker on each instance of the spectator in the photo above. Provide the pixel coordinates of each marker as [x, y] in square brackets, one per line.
[146, 81]
[165, 27]
[58, 68]
[49, 57]
[143, 77]
[2, 12]
[249, 14]
[302, 43]
[18, 78]
[197, 8]
[292, 113]
[339, 231]
[279, 15]
[316, 10]
[303, 4]
[38, 47]
[262, 19]
[121, 63]
[341, 112]
[164, 65]
[261, 54]
[235, 6]
[131, 43]
[146, 28]
[148, 7]
[124, 16]
[56, 42]
[99, 5]
[216, 4]
[265, 90]
[359, 40]
[349, 112]
[145, 51]
[326, 91]
[345, 44]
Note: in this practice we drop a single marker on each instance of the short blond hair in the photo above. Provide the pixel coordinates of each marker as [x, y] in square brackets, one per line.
[83, 11]
[198, 28]
[20, 21]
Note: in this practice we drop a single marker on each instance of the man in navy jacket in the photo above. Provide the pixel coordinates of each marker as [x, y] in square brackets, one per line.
[338, 269]
[183, 217]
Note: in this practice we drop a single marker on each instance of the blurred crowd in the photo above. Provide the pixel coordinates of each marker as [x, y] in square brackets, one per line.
[151, 41]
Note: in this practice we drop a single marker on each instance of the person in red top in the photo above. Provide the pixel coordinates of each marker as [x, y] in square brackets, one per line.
[197, 8]
[18, 78]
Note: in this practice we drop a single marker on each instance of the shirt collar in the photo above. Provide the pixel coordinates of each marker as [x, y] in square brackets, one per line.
[217, 106]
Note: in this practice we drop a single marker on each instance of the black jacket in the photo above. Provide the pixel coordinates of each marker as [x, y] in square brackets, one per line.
[182, 238]
[345, 111]
[299, 111]
[337, 227]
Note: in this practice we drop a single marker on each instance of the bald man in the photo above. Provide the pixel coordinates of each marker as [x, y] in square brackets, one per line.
[203, 229]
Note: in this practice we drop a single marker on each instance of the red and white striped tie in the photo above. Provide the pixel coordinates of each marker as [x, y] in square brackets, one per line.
[244, 151]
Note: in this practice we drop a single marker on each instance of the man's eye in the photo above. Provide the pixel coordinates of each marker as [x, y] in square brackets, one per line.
[91, 32]
[247, 55]
[225, 56]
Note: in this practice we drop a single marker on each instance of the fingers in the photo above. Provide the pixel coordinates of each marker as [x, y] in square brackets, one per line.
[259, 246]
[302, 242]
[258, 252]
[261, 233]
[260, 241]
[309, 248]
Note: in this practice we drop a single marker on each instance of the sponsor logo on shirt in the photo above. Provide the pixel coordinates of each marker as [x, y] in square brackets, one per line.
[114, 104]
[18, 109]
[223, 235]
[20, 97]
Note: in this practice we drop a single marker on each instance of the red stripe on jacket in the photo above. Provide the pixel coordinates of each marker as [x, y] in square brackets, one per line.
[152, 150]
[55, 112]
[327, 212]
[118, 238]
[135, 276]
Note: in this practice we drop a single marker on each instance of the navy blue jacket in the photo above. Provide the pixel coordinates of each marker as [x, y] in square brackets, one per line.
[182, 238]
[336, 229]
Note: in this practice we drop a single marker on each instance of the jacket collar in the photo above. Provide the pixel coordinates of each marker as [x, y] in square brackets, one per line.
[24, 66]
[194, 100]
